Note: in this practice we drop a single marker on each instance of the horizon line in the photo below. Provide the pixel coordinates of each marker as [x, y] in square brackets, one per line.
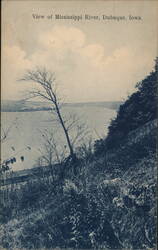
[22, 100]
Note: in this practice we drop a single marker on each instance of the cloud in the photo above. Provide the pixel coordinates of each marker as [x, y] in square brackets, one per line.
[83, 69]
[14, 63]
[62, 38]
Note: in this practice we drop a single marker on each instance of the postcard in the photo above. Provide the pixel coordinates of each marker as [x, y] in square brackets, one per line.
[78, 124]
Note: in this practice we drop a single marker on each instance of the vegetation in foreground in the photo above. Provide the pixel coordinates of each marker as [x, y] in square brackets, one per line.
[103, 200]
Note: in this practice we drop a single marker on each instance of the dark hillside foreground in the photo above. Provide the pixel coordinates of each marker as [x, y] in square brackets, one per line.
[104, 199]
[110, 204]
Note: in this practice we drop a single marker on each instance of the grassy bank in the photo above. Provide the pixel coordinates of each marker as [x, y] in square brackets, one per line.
[108, 204]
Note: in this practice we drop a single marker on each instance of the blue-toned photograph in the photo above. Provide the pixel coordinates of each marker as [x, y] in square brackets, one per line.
[78, 125]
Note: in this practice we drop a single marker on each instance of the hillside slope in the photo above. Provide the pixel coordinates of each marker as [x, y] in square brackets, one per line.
[110, 204]
[104, 199]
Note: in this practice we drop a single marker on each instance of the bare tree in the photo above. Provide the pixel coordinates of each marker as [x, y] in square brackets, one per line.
[5, 164]
[51, 151]
[47, 90]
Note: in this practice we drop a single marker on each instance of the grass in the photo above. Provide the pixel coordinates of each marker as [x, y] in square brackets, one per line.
[109, 204]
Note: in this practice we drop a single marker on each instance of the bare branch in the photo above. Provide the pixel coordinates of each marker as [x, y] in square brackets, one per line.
[5, 133]
[48, 91]
[52, 152]
[81, 131]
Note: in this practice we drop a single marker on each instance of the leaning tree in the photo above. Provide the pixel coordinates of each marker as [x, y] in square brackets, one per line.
[46, 89]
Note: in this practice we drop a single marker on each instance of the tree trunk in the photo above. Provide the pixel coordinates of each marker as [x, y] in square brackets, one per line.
[65, 131]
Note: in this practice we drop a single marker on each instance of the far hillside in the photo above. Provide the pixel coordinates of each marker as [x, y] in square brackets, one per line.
[26, 106]
[139, 109]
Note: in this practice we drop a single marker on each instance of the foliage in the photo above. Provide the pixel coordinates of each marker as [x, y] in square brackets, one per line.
[104, 200]
[96, 209]
[138, 109]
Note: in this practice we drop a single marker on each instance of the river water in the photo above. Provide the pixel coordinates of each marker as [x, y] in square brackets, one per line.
[26, 128]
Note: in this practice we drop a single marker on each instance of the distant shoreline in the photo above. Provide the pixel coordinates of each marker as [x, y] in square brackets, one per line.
[18, 106]
[27, 110]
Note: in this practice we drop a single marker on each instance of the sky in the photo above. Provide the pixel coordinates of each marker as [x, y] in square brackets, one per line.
[93, 60]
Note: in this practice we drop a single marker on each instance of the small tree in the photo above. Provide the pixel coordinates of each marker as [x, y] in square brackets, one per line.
[51, 151]
[5, 164]
[47, 90]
